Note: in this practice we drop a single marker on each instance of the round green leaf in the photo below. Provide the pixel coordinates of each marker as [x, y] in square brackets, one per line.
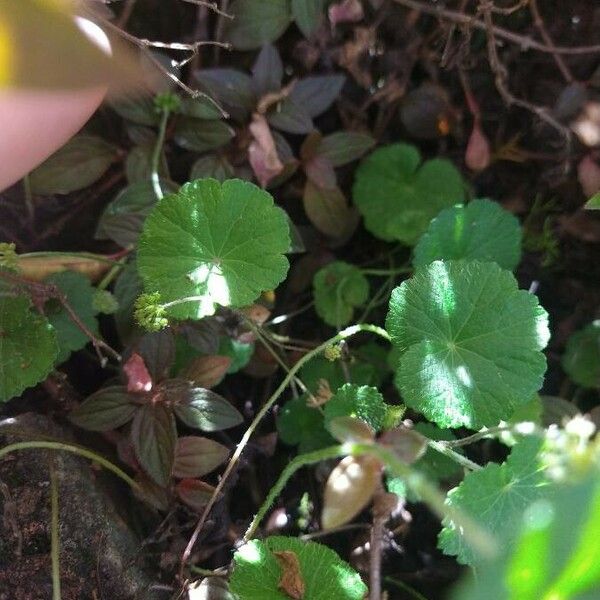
[219, 243]
[80, 296]
[481, 230]
[556, 554]
[338, 288]
[469, 343]
[360, 401]
[398, 197]
[495, 497]
[581, 360]
[257, 572]
[28, 347]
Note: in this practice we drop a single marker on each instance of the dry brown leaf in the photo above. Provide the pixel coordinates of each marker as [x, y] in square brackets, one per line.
[290, 582]
[39, 266]
[262, 153]
[349, 489]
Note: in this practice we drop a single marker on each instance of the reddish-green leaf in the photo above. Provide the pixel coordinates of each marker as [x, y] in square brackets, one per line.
[196, 456]
[154, 435]
[327, 209]
[207, 371]
[107, 409]
[194, 493]
[345, 146]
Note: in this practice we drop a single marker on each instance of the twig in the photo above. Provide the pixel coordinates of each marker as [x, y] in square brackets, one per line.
[211, 6]
[501, 75]
[468, 20]
[376, 546]
[144, 45]
[346, 333]
[219, 29]
[541, 27]
[73, 449]
[54, 532]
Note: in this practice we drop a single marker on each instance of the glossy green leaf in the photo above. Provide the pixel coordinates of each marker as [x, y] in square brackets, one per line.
[581, 359]
[28, 346]
[257, 22]
[481, 230]
[239, 353]
[469, 343]
[109, 408]
[556, 554]
[398, 196]
[338, 289]
[154, 437]
[222, 244]
[202, 409]
[78, 164]
[308, 14]
[257, 572]
[80, 295]
[495, 497]
[359, 401]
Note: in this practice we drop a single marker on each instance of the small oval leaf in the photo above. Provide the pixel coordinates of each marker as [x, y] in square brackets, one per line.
[196, 456]
[107, 409]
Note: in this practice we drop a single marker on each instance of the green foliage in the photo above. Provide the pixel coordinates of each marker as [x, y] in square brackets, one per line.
[343, 147]
[239, 352]
[257, 571]
[363, 402]
[28, 347]
[216, 243]
[581, 359]
[78, 164]
[339, 288]
[302, 425]
[594, 202]
[481, 230]
[469, 341]
[257, 22]
[398, 196]
[79, 295]
[308, 15]
[496, 497]
[555, 553]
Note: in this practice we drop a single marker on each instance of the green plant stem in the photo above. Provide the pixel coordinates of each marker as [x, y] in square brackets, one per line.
[430, 494]
[404, 587]
[444, 448]
[478, 538]
[302, 460]
[386, 272]
[154, 177]
[54, 533]
[342, 335]
[46, 445]
[480, 435]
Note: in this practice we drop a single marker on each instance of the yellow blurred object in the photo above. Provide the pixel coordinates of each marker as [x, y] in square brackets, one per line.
[38, 266]
[42, 47]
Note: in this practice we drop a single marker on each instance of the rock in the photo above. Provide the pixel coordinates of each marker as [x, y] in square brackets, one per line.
[98, 553]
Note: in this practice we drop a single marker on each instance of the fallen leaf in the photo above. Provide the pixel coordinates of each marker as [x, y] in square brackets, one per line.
[138, 377]
[588, 173]
[478, 153]
[351, 55]
[347, 11]
[262, 154]
[290, 582]
[349, 489]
